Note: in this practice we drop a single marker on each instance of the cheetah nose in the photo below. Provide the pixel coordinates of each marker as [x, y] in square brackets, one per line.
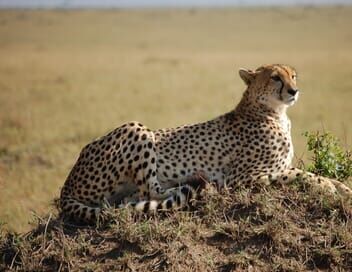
[292, 91]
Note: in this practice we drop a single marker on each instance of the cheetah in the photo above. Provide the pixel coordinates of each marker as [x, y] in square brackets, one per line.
[150, 170]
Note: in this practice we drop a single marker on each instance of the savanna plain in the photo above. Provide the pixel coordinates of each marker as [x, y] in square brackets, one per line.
[67, 77]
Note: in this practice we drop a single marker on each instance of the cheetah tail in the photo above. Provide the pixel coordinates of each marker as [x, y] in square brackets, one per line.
[77, 210]
[181, 199]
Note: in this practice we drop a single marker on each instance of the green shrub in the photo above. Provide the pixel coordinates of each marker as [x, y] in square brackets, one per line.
[329, 158]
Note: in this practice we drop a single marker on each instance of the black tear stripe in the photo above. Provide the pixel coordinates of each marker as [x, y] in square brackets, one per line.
[281, 89]
[282, 83]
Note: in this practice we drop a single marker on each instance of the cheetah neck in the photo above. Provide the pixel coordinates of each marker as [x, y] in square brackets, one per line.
[250, 108]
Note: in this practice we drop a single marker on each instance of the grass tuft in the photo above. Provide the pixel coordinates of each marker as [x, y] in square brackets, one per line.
[268, 228]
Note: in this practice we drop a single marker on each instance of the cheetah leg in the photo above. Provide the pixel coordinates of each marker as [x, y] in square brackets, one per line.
[145, 170]
[319, 182]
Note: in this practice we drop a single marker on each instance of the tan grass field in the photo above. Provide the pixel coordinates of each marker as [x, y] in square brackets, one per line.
[67, 77]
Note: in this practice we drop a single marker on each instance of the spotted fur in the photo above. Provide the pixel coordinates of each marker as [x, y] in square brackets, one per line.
[151, 170]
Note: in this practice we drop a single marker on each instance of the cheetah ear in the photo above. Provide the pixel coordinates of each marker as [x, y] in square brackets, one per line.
[247, 75]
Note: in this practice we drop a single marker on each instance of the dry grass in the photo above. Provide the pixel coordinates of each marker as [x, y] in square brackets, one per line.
[67, 77]
[276, 228]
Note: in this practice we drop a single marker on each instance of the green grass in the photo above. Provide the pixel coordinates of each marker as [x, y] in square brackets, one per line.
[67, 77]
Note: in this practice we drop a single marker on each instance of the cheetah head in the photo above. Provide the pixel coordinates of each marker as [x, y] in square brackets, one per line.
[271, 85]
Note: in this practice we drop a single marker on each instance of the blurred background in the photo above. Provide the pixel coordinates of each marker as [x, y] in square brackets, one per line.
[71, 71]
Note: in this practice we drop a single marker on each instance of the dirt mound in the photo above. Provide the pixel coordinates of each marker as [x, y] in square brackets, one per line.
[262, 228]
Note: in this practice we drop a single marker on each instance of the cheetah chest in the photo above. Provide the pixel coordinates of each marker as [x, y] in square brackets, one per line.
[266, 147]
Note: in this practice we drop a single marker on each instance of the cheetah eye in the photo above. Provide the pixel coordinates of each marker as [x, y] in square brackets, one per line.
[294, 77]
[276, 78]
